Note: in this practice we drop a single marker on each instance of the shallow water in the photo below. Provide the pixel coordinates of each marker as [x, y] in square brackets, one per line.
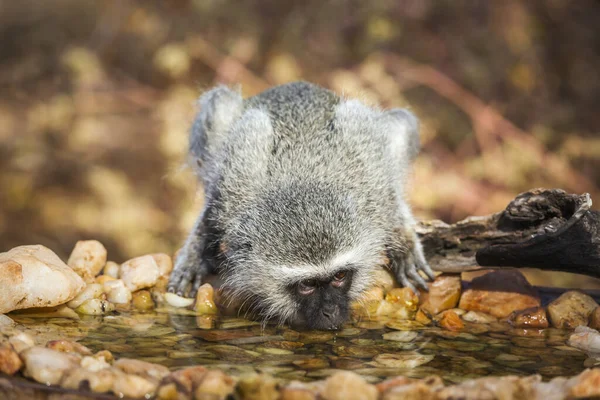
[172, 338]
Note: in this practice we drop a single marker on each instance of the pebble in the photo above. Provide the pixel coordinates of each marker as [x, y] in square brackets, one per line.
[111, 269]
[587, 340]
[499, 293]
[403, 360]
[205, 300]
[444, 293]
[529, 318]
[478, 317]
[10, 363]
[91, 291]
[87, 259]
[33, 276]
[47, 366]
[401, 336]
[346, 385]
[571, 310]
[139, 273]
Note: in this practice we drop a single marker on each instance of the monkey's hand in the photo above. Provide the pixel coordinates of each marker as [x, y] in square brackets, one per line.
[189, 269]
[407, 264]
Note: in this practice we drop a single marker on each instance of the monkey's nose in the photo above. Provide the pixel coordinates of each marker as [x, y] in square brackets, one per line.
[329, 311]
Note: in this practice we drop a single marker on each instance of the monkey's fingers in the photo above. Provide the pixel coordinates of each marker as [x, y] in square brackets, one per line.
[180, 279]
[414, 275]
[195, 285]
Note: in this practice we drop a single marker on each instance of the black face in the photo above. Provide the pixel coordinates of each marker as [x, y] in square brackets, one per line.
[324, 304]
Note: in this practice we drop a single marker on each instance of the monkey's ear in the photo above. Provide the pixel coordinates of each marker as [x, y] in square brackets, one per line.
[403, 130]
[219, 109]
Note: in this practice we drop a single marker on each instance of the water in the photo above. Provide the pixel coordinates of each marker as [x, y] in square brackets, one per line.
[174, 338]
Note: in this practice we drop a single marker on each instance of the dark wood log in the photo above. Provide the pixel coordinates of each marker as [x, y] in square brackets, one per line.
[545, 229]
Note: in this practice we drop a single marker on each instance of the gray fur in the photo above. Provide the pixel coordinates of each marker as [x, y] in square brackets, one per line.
[299, 183]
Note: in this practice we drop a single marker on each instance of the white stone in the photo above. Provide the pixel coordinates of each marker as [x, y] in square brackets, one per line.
[116, 292]
[139, 273]
[87, 259]
[33, 276]
[178, 301]
[91, 291]
[111, 269]
[6, 321]
[587, 340]
[47, 366]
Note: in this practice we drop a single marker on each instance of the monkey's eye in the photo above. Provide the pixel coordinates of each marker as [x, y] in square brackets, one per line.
[338, 279]
[340, 276]
[307, 287]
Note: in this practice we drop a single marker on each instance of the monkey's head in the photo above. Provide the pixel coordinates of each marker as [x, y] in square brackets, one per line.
[300, 254]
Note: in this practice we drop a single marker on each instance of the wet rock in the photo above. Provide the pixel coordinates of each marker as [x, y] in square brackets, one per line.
[177, 301]
[127, 385]
[451, 321]
[529, 318]
[297, 393]
[499, 293]
[67, 346]
[91, 291]
[87, 259]
[150, 371]
[21, 341]
[99, 381]
[594, 319]
[585, 385]
[346, 385]
[95, 307]
[184, 381]
[312, 363]
[422, 318]
[33, 276]
[94, 364]
[48, 312]
[139, 273]
[10, 363]
[399, 303]
[102, 279]
[142, 301]
[205, 302]
[587, 340]
[165, 266]
[479, 317]
[215, 385]
[258, 387]
[6, 321]
[506, 387]
[444, 293]
[116, 292]
[401, 336]
[404, 325]
[47, 366]
[571, 309]
[404, 388]
[111, 269]
[403, 360]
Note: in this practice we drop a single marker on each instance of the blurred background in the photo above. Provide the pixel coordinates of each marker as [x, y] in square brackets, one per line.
[96, 98]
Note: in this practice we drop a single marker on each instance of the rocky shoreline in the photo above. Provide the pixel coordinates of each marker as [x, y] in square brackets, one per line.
[40, 285]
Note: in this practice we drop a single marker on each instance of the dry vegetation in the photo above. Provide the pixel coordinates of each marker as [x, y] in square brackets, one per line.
[97, 97]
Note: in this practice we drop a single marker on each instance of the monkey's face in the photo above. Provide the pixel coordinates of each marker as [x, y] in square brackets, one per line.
[323, 303]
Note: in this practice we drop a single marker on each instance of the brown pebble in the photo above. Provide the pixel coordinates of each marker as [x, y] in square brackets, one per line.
[595, 319]
[10, 363]
[66, 346]
[534, 317]
[451, 321]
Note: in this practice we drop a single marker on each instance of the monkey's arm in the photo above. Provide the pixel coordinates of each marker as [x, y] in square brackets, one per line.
[191, 265]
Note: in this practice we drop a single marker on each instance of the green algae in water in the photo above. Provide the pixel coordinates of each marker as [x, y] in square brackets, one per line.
[238, 346]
